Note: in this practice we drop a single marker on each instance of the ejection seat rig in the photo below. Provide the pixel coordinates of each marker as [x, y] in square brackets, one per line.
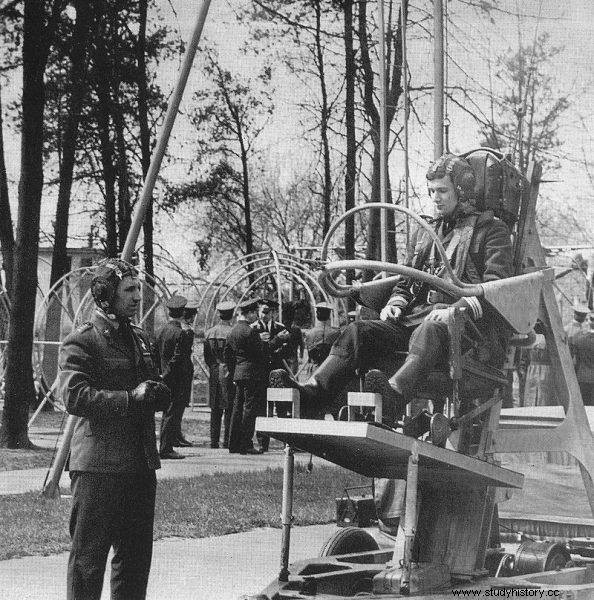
[450, 529]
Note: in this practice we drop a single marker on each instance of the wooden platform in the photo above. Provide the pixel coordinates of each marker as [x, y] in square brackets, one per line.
[376, 452]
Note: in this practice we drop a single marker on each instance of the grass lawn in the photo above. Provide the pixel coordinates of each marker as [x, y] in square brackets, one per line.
[13, 460]
[50, 422]
[197, 507]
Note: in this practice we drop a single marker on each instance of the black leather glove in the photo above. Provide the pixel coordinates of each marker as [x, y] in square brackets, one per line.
[142, 398]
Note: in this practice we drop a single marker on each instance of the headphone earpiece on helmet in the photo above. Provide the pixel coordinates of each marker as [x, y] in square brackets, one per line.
[105, 283]
[103, 292]
[459, 171]
[465, 183]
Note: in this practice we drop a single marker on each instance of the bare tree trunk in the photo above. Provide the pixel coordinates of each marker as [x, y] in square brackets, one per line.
[107, 158]
[324, 117]
[19, 390]
[6, 231]
[351, 141]
[247, 203]
[124, 210]
[78, 88]
[145, 157]
[60, 260]
[394, 92]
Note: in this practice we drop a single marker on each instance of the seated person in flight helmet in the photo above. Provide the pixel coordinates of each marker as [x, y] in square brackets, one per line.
[478, 247]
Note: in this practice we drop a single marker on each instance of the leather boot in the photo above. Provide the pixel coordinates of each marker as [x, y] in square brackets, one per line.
[405, 380]
[317, 392]
[393, 403]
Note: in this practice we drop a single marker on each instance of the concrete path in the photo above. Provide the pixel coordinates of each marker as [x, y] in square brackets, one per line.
[219, 568]
[198, 461]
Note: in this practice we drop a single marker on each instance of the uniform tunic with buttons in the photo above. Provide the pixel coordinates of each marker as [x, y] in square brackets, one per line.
[98, 366]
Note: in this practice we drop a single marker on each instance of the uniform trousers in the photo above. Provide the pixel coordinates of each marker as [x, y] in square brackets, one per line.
[370, 344]
[246, 407]
[172, 417]
[220, 393]
[111, 510]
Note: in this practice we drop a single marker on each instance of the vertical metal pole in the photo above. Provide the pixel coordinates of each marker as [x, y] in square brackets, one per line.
[287, 512]
[51, 489]
[383, 132]
[170, 116]
[403, 14]
[438, 86]
[410, 517]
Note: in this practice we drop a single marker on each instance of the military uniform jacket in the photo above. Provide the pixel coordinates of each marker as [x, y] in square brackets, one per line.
[275, 348]
[214, 357]
[214, 344]
[97, 369]
[479, 249]
[175, 350]
[244, 353]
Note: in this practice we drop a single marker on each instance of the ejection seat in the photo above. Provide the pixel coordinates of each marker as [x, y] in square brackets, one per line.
[467, 381]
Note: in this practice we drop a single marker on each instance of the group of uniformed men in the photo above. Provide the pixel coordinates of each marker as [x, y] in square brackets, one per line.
[240, 359]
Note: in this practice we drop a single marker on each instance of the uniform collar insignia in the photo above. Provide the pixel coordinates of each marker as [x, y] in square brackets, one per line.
[105, 323]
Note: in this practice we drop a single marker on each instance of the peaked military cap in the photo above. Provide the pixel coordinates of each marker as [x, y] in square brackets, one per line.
[192, 305]
[225, 307]
[323, 306]
[249, 304]
[176, 302]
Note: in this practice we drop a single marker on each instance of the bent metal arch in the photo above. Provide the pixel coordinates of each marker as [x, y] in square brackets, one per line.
[241, 277]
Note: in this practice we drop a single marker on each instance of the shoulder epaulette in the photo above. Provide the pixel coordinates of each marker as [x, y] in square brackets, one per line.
[84, 327]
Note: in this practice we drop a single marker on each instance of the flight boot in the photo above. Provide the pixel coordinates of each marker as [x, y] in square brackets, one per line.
[393, 402]
[317, 392]
[408, 376]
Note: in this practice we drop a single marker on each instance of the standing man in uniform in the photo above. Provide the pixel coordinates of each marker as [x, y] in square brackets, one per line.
[188, 317]
[220, 384]
[275, 338]
[581, 345]
[175, 349]
[108, 378]
[273, 334]
[246, 358]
